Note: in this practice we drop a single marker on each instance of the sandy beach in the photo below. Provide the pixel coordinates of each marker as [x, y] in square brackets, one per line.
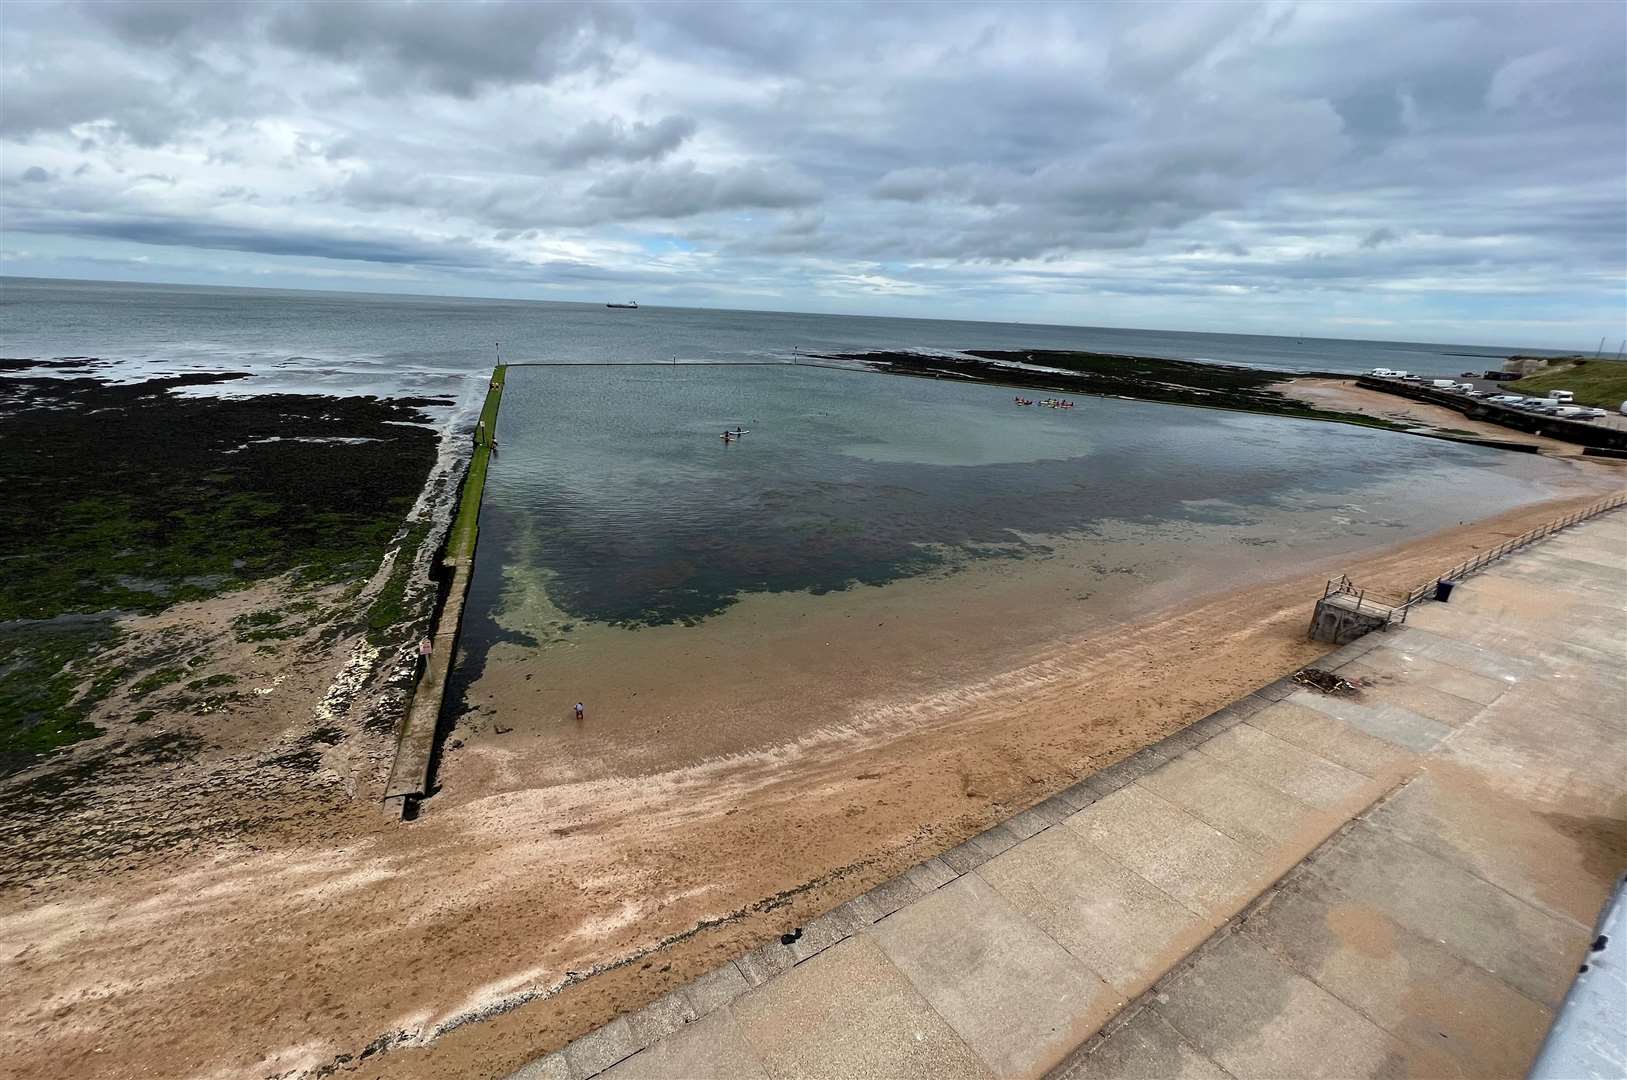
[544, 904]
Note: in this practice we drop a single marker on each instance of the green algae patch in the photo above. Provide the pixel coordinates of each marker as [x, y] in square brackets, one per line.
[389, 611]
[44, 702]
[466, 527]
[127, 499]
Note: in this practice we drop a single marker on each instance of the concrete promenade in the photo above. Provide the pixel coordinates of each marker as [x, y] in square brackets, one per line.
[1396, 883]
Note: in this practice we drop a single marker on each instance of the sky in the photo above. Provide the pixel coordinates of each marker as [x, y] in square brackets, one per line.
[1449, 172]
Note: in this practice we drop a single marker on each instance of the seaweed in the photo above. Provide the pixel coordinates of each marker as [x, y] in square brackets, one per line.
[129, 498]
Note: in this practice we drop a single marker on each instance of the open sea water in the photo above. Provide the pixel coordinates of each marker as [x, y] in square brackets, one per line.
[370, 343]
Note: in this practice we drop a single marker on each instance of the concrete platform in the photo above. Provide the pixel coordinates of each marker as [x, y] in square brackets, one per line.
[1395, 884]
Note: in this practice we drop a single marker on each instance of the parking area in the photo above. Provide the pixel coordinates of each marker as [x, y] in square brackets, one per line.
[1498, 392]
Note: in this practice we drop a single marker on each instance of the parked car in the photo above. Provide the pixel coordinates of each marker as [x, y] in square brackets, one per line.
[1506, 399]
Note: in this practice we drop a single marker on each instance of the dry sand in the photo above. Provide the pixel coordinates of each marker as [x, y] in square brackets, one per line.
[372, 947]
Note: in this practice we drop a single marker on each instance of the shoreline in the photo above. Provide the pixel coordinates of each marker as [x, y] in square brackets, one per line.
[715, 858]
[334, 934]
[247, 662]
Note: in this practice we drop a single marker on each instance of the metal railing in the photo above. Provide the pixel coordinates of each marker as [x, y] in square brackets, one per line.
[1399, 609]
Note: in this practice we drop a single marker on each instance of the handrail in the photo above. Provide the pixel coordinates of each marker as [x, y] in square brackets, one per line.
[1398, 613]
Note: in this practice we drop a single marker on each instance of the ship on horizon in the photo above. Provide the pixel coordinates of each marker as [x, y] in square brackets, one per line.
[629, 304]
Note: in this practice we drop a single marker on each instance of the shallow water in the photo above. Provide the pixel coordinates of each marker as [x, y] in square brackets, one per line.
[614, 505]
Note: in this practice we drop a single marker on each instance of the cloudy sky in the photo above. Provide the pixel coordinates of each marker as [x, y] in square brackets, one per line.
[1439, 171]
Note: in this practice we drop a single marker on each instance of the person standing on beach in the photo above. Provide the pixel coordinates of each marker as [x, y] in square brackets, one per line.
[579, 712]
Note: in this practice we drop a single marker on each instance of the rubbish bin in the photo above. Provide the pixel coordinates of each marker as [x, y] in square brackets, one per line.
[1443, 590]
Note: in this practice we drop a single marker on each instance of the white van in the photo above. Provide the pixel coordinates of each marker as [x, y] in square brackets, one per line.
[1443, 384]
[1383, 373]
[1564, 397]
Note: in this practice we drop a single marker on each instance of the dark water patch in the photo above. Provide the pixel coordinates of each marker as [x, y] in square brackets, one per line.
[616, 489]
[480, 630]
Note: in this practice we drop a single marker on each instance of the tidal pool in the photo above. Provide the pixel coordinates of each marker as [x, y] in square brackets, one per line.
[627, 551]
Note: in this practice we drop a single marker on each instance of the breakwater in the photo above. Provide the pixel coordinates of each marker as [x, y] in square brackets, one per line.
[417, 743]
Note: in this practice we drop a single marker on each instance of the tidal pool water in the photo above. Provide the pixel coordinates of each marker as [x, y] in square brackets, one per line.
[614, 503]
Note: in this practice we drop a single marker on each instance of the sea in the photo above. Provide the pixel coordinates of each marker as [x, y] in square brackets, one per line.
[339, 342]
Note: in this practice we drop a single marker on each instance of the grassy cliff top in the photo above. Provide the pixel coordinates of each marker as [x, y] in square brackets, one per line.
[1602, 383]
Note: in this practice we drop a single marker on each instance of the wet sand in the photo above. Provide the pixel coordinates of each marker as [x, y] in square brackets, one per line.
[525, 876]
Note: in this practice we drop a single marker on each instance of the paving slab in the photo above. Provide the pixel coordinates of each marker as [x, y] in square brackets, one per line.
[1331, 738]
[849, 1013]
[1388, 688]
[716, 988]
[1116, 922]
[1192, 861]
[712, 1047]
[1531, 950]
[1544, 859]
[1015, 996]
[598, 1050]
[1553, 760]
[991, 842]
[765, 961]
[661, 1017]
[1465, 652]
[1394, 663]
[1078, 796]
[1290, 769]
[1407, 984]
[826, 930]
[1256, 816]
[1392, 723]
[1146, 1048]
[930, 875]
[1035, 820]
[889, 896]
[1256, 1017]
[964, 857]
[552, 1067]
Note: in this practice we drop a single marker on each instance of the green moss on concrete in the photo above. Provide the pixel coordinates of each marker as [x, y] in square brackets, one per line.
[466, 526]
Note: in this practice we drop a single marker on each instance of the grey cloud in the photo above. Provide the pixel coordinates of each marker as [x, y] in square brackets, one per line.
[683, 190]
[457, 49]
[211, 235]
[35, 175]
[616, 140]
[986, 151]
